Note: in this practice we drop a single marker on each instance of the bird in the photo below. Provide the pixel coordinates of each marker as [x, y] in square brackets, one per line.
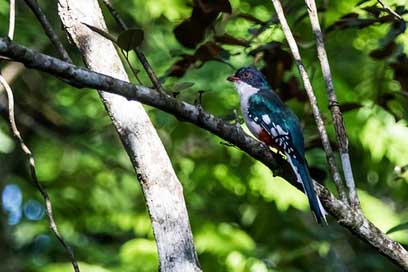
[276, 125]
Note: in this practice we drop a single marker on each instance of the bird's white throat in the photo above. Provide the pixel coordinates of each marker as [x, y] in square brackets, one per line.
[245, 91]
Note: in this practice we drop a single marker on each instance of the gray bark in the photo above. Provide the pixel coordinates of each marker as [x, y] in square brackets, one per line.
[161, 187]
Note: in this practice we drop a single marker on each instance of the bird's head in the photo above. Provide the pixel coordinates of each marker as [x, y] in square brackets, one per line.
[250, 76]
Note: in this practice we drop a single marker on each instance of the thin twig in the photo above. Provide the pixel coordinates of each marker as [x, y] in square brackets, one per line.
[5, 58]
[37, 184]
[333, 105]
[49, 31]
[27, 152]
[134, 71]
[313, 101]
[115, 14]
[12, 19]
[142, 58]
[389, 10]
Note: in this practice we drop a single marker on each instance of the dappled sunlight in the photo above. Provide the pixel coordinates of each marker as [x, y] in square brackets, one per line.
[6, 143]
[383, 136]
[276, 189]
[141, 253]
[383, 215]
[67, 267]
[237, 262]
[222, 238]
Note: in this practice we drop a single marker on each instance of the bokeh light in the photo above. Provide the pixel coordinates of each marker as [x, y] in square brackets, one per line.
[33, 210]
[11, 199]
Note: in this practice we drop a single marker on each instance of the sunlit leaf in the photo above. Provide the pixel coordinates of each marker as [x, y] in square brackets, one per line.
[403, 226]
[385, 219]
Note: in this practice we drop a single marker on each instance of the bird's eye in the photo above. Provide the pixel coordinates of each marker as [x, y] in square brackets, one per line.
[246, 75]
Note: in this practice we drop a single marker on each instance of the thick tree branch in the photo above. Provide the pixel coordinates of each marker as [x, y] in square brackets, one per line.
[161, 188]
[313, 101]
[81, 78]
[334, 106]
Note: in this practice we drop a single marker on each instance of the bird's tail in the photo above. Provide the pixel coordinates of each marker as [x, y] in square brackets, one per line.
[303, 176]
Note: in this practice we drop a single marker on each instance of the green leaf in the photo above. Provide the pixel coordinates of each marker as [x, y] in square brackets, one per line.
[102, 33]
[182, 86]
[403, 226]
[130, 39]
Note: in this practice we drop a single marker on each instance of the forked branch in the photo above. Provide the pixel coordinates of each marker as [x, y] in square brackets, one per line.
[313, 101]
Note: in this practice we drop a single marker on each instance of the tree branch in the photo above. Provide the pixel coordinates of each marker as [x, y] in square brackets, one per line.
[334, 107]
[30, 158]
[12, 18]
[139, 53]
[81, 78]
[48, 29]
[161, 188]
[31, 162]
[313, 101]
[390, 11]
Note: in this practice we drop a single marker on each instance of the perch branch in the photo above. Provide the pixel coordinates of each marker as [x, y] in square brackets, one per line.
[81, 78]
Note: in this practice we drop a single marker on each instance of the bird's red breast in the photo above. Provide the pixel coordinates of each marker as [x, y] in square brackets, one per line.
[265, 137]
[268, 140]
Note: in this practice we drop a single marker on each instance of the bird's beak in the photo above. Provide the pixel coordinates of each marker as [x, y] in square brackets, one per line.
[232, 78]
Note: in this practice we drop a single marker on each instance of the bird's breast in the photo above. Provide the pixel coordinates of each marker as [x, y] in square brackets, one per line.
[253, 127]
[246, 92]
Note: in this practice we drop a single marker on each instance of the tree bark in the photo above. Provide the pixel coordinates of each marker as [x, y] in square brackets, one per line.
[161, 187]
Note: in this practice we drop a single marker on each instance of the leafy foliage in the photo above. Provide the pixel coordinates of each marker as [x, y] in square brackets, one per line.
[243, 218]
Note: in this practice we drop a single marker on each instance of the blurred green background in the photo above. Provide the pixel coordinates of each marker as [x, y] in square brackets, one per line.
[243, 219]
